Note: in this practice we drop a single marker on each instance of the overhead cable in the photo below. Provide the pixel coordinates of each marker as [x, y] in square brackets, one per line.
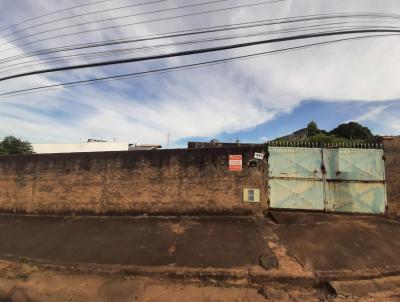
[198, 31]
[135, 23]
[53, 13]
[183, 67]
[79, 15]
[124, 51]
[199, 51]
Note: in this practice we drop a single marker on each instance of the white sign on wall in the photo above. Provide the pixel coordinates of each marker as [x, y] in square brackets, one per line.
[258, 155]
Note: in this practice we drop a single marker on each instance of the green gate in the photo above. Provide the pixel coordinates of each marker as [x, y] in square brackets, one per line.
[339, 179]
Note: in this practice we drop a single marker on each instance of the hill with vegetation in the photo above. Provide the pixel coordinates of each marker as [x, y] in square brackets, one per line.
[351, 132]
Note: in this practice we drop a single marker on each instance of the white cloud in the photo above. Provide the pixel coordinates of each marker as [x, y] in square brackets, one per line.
[372, 113]
[202, 102]
[386, 116]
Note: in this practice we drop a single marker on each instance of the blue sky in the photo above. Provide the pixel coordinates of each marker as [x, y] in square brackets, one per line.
[327, 115]
[253, 100]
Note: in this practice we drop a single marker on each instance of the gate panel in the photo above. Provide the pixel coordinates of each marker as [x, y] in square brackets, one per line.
[296, 194]
[295, 162]
[356, 197]
[295, 178]
[361, 164]
[355, 180]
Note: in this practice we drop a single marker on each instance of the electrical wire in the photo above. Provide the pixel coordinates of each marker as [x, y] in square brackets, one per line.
[119, 52]
[183, 67]
[53, 13]
[198, 31]
[199, 51]
[98, 54]
[81, 15]
[174, 34]
[136, 23]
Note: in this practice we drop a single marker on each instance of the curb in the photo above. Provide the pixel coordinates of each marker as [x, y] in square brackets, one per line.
[252, 275]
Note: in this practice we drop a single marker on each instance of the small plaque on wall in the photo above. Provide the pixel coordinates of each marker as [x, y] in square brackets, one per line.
[251, 195]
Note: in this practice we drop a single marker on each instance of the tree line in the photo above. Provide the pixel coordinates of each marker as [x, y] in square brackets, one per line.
[13, 145]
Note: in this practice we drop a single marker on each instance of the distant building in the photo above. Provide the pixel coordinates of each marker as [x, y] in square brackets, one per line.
[136, 147]
[91, 145]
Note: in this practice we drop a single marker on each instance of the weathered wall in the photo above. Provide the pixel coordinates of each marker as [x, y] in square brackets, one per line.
[391, 146]
[162, 181]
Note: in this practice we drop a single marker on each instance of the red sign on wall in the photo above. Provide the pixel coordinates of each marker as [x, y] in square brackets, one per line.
[235, 162]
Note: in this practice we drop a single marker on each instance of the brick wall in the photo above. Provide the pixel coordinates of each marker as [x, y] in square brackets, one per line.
[154, 182]
[391, 146]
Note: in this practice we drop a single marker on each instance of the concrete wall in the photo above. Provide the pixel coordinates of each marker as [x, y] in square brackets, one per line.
[391, 146]
[154, 182]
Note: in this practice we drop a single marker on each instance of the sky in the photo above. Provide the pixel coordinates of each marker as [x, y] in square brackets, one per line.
[255, 100]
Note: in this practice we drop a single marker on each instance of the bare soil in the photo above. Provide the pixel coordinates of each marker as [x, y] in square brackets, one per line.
[27, 283]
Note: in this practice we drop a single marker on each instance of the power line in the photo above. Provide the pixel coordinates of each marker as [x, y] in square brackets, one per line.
[182, 67]
[140, 22]
[115, 18]
[76, 16]
[119, 52]
[174, 34]
[53, 13]
[200, 51]
[204, 30]
[106, 53]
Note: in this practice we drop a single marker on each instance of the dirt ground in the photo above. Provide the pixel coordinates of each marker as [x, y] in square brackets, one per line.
[27, 283]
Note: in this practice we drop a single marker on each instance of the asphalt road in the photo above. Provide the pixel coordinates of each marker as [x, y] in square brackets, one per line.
[319, 242]
[195, 242]
[340, 242]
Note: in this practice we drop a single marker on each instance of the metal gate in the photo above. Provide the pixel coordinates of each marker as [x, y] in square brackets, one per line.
[341, 179]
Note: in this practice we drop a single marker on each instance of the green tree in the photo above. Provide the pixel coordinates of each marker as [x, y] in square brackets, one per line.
[312, 129]
[14, 145]
[353, 131]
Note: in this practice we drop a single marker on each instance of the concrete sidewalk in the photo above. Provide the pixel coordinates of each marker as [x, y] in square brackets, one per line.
[290, 245]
